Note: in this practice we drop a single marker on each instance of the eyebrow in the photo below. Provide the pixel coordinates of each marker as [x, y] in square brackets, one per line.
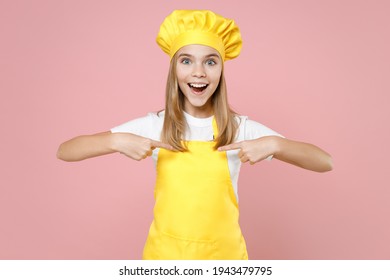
[207, 56]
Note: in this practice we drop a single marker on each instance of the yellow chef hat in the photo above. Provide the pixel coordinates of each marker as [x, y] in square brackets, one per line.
[186, 27]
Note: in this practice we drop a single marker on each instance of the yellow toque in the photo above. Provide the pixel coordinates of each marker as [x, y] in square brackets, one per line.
[187, 27]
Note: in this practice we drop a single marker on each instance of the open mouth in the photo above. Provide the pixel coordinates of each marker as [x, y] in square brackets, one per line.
[198, 88]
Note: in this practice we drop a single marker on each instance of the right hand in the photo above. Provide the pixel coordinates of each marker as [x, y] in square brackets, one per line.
[136, 147]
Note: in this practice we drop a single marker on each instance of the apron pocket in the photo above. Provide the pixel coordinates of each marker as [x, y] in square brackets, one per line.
[172, 247]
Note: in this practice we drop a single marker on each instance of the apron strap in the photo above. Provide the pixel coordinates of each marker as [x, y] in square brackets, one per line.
[215, 129]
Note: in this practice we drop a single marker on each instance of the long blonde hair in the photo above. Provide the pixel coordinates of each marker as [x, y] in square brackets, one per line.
[175, 125]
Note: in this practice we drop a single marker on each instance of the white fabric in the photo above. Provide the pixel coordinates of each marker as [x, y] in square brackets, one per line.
[200, 129]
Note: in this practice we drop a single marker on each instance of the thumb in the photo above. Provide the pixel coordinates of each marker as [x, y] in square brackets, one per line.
[158, 144]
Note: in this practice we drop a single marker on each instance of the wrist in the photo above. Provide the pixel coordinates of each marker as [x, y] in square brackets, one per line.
[112, 142]
[276, 144]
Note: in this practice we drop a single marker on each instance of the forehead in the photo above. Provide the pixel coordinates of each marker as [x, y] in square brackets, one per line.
[198, 51]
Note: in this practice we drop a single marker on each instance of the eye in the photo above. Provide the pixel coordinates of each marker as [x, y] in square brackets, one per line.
[211, 62]
[185, 61]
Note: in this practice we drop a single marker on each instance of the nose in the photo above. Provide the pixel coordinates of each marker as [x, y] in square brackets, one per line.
[198, 71]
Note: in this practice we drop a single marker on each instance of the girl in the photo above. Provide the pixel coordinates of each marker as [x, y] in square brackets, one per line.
[198, 144]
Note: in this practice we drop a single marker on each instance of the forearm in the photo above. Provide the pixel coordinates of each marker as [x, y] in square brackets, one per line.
[301, 154]
[86, 146]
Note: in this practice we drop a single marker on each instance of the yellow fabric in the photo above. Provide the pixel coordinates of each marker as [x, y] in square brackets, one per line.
[196, 212]
[186, 27]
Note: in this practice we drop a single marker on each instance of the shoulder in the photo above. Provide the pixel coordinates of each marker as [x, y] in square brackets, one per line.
[250, 129]
[147, 126]
[241, 119]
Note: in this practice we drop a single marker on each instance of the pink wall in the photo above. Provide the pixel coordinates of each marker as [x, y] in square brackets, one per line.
[316, 71]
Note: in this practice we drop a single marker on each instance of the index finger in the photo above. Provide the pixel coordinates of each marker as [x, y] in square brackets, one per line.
[230, 147]
[158, 144]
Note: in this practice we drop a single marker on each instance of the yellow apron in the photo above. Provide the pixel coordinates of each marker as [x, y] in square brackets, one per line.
[196, 211]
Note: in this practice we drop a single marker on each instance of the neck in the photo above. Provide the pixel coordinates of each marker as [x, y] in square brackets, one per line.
[205, 111]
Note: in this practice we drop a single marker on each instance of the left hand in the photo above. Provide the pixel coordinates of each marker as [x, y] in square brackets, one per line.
[252, 150]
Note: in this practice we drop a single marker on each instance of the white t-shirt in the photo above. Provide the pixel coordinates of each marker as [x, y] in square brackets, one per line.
[200, 129]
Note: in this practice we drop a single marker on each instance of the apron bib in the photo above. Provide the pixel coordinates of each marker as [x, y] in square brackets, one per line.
[196, 211]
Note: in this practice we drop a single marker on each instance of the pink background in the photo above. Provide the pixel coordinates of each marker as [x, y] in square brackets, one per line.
[315, 71]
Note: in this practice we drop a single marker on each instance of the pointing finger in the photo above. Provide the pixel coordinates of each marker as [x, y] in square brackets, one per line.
[230, 147]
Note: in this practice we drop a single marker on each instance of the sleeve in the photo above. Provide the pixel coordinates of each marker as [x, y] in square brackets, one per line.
[254, 130]
[149, 126]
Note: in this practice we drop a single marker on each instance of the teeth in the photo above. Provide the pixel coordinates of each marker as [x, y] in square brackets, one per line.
[198, 85]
